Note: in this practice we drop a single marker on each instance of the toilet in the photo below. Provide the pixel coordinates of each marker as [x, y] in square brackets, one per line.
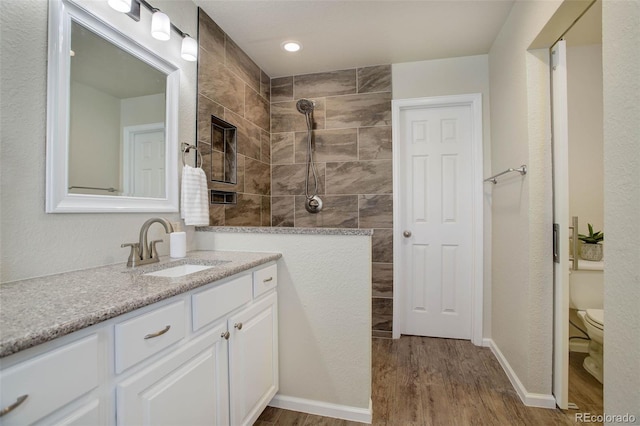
[586, 294]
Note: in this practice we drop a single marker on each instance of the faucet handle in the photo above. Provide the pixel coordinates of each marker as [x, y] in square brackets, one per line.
[153, 252]
[134, 254]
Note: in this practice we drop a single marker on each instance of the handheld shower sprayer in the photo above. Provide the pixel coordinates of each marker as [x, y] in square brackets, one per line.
[313, 203]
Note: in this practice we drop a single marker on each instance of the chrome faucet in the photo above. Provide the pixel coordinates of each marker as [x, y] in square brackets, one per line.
[143, 253]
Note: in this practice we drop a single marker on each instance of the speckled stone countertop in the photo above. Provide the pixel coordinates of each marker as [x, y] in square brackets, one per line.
[285, 230]
[37, 310]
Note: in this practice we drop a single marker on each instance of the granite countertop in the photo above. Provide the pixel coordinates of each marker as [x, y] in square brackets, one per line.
[40, 309]
[285, 230]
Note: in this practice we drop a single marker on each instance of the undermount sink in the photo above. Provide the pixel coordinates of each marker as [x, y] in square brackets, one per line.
[179, 271]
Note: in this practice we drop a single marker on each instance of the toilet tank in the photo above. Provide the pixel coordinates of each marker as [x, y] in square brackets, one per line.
[586, 286]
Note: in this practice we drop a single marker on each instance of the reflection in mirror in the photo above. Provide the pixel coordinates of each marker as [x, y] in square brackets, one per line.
[112, 119]
[117, 114]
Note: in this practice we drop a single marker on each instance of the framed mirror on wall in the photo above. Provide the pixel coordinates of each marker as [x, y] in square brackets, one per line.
[112, 119]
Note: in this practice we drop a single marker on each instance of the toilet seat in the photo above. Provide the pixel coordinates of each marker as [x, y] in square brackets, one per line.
[595, 317]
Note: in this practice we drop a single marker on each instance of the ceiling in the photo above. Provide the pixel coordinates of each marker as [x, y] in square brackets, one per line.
[349, 34]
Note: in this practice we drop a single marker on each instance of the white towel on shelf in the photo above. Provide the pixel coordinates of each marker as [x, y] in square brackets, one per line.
[194, 203]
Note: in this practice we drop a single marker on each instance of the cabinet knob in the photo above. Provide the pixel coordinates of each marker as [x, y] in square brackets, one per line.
[238, 326]
[13, 406]
[225, 335]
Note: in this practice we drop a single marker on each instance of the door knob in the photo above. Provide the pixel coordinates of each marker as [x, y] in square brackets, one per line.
[406, 234]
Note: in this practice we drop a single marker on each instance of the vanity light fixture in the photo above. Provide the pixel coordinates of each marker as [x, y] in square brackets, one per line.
[161, 25]
[291, 46]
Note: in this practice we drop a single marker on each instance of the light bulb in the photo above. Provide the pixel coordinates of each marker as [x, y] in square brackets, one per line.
[120, 5]
[189, 50]
[160, 26]
[291, 46]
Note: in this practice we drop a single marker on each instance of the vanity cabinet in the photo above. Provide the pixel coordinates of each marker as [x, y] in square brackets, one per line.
[205, 357]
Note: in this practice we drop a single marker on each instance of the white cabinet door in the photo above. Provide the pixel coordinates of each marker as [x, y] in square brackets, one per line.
[187, 387]
[253, 359]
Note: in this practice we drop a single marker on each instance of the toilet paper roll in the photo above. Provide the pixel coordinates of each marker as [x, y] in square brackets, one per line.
[178, 244]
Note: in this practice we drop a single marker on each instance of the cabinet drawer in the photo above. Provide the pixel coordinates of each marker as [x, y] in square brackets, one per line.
[212, 304]
[51, 381]
[147, 334]
[264, 280]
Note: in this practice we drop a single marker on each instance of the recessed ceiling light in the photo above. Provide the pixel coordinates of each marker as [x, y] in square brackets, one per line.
[291, 46]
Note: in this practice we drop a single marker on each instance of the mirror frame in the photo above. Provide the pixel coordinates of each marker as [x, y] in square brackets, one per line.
[58, 198]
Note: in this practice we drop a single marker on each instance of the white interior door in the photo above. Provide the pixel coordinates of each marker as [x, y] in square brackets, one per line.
[145, 161]
[436, 202]
[561, 224]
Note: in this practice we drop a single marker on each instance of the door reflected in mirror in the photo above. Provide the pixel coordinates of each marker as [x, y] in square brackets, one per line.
[117, 120]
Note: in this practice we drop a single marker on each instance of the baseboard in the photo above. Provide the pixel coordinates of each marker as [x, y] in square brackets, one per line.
[326, 409]
[529, 399]
[486, 343]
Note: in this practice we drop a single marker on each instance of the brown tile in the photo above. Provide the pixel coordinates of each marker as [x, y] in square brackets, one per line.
[382, 279]
[281, 89]
[339, 211]
[372, 109]
[242, 65]
[374, 79]
[265, 86]
[286, 118]
[246, 212]
[282, 211]
[375, 211]
[382, 311]
[217, 83]
[324, 84]
[265, 148]
[216, 215]
[289, 179]
[248, 135]
[265, 211]
[270, 414]
[374, 143]
[257, 177]
[378, 334]
[313, 420]
[203, 160]
[210, 36]
[359, 177]
[239, 185]
[291, 418]
[282, 148]
[256, 109]
[207, 108]
[329, 145]
[382, 245]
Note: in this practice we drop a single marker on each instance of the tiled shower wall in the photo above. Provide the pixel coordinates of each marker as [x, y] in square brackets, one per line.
[232, 87]
[352, 134]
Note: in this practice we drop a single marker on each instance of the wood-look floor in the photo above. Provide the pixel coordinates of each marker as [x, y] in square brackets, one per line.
[429, 381]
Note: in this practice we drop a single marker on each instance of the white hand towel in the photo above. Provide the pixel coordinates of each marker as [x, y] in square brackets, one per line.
[194, 203]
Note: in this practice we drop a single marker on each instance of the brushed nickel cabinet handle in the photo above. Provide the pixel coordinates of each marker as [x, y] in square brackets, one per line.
[238, 326]
[225, 335]
[157, 333]
[13, 406]
[267, 280]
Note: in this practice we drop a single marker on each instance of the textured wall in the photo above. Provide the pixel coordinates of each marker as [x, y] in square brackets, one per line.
[456, 76]
[34, 243]
[352, 136]
[324, 312]
[521, 207]
[621, 76]
[232, 87]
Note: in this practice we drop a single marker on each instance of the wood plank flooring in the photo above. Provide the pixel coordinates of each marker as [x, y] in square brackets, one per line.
[430, 381]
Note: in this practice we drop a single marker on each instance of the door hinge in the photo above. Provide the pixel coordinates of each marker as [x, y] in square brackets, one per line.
[556, 234]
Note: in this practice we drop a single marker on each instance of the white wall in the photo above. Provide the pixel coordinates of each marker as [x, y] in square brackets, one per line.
[586, 166]
[34, 243]
[455, 76]
[522, 299]
[621, 75]
[324, 308]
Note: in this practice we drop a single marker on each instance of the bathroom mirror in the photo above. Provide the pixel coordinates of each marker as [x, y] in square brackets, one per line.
[111, 119]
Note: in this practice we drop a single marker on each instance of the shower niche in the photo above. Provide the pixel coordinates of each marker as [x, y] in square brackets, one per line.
[223, 151]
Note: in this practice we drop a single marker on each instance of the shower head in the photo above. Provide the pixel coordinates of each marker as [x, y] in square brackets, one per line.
[305, 106]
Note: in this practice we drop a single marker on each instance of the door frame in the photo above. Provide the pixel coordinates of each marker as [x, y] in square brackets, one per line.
[474, 100]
